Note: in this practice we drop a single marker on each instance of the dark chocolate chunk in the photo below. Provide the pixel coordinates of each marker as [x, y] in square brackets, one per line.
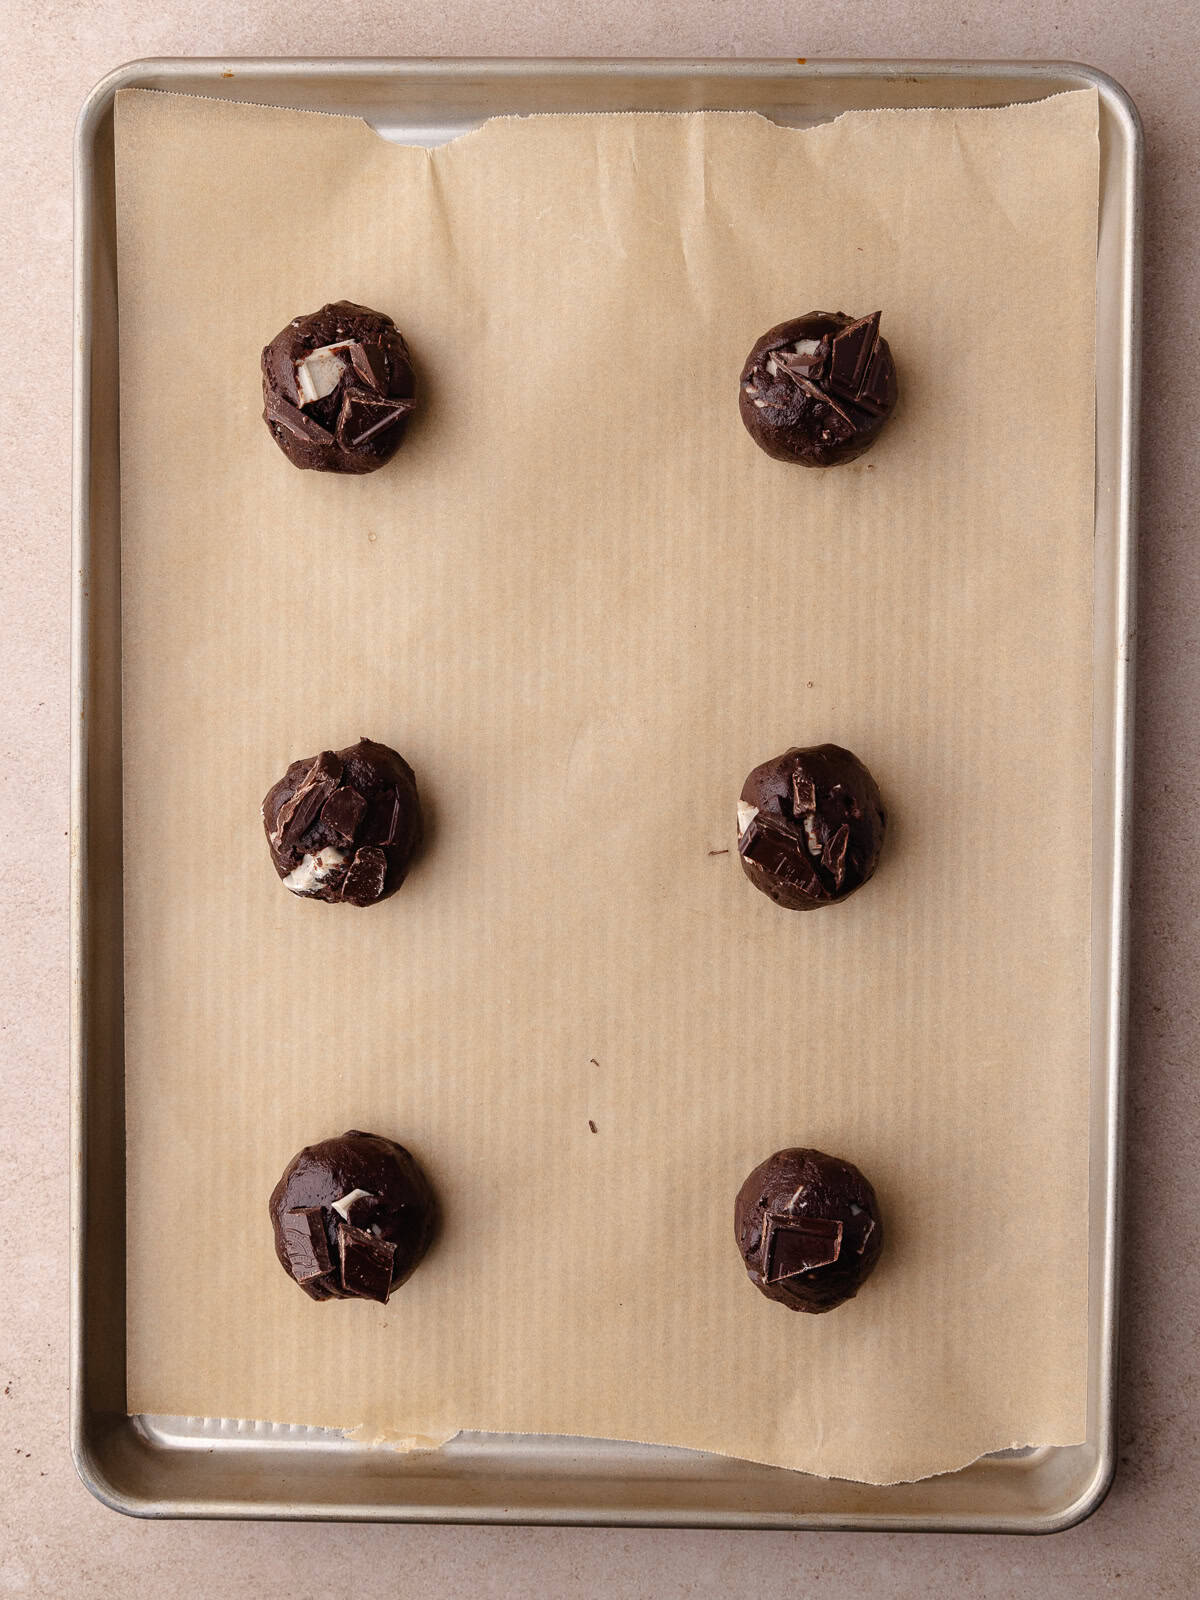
[810, 826]
[366, 1264]
[364, 415]
[338, 387]
[343, 812]
[877, 390]
[385, 821]
[297, 815]
[320, 808]
[808, 1229]
[818, 389]
[281, 413]
[850, 352]
[304, 1243]
[804, 791]
[393, 1220]
[366, 876]
[769, 844]
[369, 366]
[792, 1245]
[833, 857]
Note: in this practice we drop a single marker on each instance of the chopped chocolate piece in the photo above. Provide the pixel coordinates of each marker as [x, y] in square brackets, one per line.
[770, 845]
[371, 364]
[877, 390]
[361, 1191]
[810, 826]
[808, 1229]
[363, 416]
[319, 808]
[818, 389]
[833, 856]
[366, 1264]
[804, 791]
[297, 815]
[799, 1244]
[281, 413]
[304, 1243]
[850, 351]
[365, 876]
[387, 821]
[338, 388]
[343, 812]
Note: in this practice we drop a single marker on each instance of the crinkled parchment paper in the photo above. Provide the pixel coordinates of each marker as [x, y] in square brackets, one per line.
[583, 605]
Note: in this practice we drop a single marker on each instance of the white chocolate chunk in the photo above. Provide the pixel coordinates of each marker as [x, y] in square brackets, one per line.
[814, 838]
[321, 370]
[312, 872]
[343, 1206]
[746, 815]
[805, 347]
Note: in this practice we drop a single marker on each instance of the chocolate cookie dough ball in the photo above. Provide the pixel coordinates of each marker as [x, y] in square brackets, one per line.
[338, 389]
[808, 1228]
[818, 389]
[810, 826]
[344, 825]
[352, 1217]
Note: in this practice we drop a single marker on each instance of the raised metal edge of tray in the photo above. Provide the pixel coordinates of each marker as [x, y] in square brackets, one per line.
[196, 1467]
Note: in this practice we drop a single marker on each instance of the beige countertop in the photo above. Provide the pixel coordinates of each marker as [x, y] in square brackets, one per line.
[56, 1539]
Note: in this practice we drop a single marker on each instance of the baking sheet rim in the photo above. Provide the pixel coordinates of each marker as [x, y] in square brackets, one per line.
[1113, 763]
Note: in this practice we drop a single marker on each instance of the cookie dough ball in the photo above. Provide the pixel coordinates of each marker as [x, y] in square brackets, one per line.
[818, 389]
[810, 826]
[808, 1228]
[344, 825]
[338, 389]
[352, 1217]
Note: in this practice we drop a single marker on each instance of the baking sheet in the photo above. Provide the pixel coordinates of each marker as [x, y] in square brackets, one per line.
[519, 604]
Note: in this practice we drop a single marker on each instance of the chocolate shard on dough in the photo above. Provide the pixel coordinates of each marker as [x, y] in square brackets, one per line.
[875, 392]
[343, 812]
[804, 792]
[298, 814]
[850, 353]
[799, 1244]
[365, 876]
[281, 413]
[833, 856]
[364, 415]
[775, 850]
[305, 1243]
[365, 1264]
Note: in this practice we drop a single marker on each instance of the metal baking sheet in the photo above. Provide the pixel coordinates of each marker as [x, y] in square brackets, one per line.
[212, 1467]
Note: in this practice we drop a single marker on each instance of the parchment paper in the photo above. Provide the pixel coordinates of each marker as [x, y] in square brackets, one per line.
[584, 605]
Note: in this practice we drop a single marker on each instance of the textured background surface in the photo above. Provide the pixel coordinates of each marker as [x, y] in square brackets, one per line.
[57, 1541]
